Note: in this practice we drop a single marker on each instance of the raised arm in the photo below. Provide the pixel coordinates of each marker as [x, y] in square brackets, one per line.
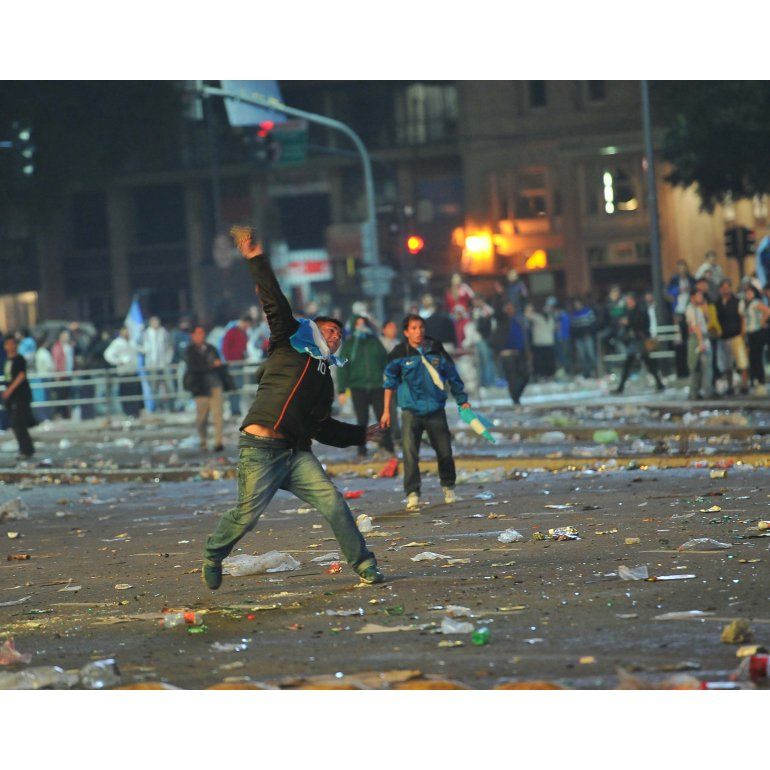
[277, 309]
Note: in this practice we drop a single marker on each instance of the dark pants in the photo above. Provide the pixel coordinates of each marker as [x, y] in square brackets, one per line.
[637, 350]
[362, 400]
[266, 465]
[544, 360]
[134, 407]
[516, 372]
[20, 419]
[756, 360]
[412, 427]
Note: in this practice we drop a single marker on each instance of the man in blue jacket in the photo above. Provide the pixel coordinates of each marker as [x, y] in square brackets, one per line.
[421, 370]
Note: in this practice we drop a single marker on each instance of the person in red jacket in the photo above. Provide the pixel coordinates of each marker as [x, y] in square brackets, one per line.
[234, 345]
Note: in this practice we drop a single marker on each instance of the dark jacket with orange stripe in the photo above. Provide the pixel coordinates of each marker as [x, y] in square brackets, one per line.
[296, 391]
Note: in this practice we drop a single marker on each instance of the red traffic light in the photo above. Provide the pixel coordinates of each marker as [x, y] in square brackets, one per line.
[265, 127]
[414, 244]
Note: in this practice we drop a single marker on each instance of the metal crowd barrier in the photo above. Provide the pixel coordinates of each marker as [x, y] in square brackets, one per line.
[165, 385]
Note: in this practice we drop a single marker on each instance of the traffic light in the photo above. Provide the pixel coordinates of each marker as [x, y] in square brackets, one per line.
[414, 245]
[263, 146]
[731, 243]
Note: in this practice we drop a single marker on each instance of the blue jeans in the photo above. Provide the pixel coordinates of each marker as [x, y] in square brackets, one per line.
[266, 465]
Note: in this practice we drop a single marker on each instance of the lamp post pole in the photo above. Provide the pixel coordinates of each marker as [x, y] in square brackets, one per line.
[369, 227]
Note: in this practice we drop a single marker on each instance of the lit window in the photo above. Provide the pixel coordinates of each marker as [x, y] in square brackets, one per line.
[618, 191]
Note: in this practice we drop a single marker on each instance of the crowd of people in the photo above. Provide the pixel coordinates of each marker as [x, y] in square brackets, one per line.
[719, 336]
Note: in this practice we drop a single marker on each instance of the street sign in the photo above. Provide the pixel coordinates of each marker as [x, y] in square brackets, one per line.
[291, 138]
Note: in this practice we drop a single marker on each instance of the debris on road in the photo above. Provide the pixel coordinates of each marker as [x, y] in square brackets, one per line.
[14, 509]
[737, 632]
[703, 544]
[450, 626]
[364, 523]
[10, 656]
[16, 601]
[510, 536]
[685, 615]
[632, 573]
[272, 561]
[429, 556]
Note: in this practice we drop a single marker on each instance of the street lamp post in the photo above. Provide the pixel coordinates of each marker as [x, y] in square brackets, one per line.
[369, 227]
[652, 199]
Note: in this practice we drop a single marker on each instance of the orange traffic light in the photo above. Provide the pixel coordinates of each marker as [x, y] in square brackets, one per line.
[414, 244]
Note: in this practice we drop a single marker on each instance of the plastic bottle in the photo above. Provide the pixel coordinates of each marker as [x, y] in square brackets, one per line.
[481, 636]
[755, 668]
[38, 678]
[100, 674]
[172, 619]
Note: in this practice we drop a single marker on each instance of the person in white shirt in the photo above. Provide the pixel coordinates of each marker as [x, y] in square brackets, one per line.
[710, 263]
[158, 354]
[124, 356]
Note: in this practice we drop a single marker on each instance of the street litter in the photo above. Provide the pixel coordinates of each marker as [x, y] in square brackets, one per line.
[456, 611]
[188, 618]
[450, 626]
[353, 494]
[100, 674]
[656, 578]
[760, 525]
[18, 557]
[71, 587]
[484, 496]
[564, 533]
[39, 678]
[9, 655]
[376, 628]
[429, 556]
[334, 568]
[606, 532]
[327, 558]
[510, 536]
[12, 535]
[451, 643]
[481, 636]
[346, 613]
[748, 650]
[703, 544]
[606, 436]
[686, 615]
[14, 509]
[246, 564]
[231, 646]
[560, 507]
[632, 573]
[717, 473]
[737, 632]
[364, 523]
[123, 586]
[713, 509]
[16, 601]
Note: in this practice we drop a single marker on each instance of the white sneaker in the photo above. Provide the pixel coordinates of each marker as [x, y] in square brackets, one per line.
[449, 496]
[413, 502]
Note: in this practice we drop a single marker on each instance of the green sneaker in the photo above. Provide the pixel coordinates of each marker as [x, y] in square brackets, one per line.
[212, 575]
[371, 575]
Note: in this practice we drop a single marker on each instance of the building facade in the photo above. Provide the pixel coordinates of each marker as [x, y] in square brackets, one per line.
[546, 177]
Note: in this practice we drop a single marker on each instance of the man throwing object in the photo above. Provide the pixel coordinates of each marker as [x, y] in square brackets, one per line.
[292, 407]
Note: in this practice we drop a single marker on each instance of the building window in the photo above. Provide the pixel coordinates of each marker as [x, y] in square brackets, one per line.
[613, 190]
[596, 91]
[537, 93]
[426, 113]
[531, 195]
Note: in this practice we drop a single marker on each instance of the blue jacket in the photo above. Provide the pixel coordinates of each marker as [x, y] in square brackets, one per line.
[416, 391]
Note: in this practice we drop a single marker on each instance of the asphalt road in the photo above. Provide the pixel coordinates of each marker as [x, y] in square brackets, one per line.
[557, 611]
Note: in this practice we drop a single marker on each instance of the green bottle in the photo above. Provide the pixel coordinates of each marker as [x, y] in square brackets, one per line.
[481, 636]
